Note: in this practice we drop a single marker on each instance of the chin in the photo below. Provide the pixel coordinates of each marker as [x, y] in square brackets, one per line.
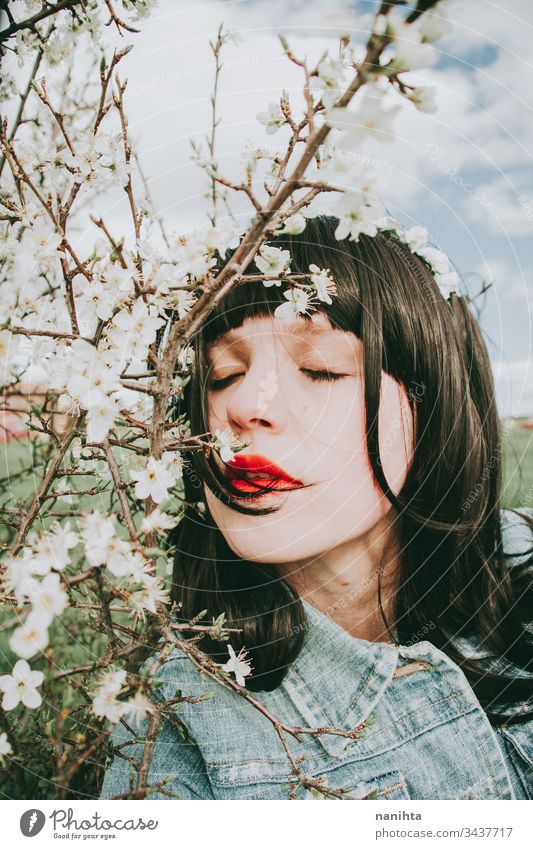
[255, 551]
[260, 549]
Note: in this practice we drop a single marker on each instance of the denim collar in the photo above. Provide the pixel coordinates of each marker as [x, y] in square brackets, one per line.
[337, 679]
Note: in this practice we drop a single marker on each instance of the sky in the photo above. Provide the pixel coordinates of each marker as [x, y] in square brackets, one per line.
[463, 172]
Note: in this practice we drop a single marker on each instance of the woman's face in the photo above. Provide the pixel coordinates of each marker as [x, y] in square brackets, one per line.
[313, 429]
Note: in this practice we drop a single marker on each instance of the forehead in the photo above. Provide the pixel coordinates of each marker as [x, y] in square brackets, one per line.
[314, 329]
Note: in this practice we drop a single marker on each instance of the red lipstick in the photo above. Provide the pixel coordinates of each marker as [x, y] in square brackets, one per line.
[263, 471]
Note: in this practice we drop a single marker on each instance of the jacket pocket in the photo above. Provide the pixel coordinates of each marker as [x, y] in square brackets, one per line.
[389, 785]
[272, 780]
[520, 737]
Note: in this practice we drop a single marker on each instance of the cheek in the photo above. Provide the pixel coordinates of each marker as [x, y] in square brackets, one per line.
[396, 432]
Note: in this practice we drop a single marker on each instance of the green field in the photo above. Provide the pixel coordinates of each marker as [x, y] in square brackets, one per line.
[518, 469]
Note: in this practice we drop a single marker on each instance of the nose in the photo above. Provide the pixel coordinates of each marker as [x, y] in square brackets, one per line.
[258, 400]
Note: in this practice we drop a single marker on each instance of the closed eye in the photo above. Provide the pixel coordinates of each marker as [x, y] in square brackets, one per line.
[323, 374]
[222, 382]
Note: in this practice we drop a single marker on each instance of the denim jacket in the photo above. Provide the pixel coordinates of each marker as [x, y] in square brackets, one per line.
[422, 733]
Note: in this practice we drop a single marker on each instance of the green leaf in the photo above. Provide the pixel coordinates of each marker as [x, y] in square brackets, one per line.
[155, 552]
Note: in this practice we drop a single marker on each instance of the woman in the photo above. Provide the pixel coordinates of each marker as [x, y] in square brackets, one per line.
[382, 595]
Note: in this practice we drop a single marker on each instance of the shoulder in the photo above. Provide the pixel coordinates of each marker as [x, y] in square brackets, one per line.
[200, 696]
[517, 535]
[175, 672]
[177, 766]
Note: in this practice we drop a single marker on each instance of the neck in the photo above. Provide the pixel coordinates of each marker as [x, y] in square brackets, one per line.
[343, 582]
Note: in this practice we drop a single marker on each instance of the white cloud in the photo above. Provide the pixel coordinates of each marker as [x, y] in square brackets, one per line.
[514, 387]
[512, 207]
[509, 282]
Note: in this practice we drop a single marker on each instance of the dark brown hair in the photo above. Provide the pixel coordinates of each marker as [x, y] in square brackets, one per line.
[454, 576]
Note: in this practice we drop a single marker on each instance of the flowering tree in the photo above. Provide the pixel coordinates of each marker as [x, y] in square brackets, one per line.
[107, 329]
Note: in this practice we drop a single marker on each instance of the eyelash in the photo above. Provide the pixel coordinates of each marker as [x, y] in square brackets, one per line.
[312, 375]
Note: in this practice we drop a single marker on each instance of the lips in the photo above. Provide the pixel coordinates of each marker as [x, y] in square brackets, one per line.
[254, 467]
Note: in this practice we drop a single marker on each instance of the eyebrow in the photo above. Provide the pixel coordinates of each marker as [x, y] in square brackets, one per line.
[295, 328]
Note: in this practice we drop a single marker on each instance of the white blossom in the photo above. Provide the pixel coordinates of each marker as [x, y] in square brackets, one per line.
[180, 300]
[18, 572]
[411, 49]
[51, 547]
[155, 479]
[90, 378]
[193, 257]
[372, 121]
[424, 98]
[447, 283]
[25, 45]
[100, 419]
[100, 160]
[273, 174]
[32, 636]
[157, 521]
[169, 292]
[113, 288]
[105, 702]
[186, 357]
[330, 81]
[323, 282]
[356, 218]
[435, 23]
[112, 681]
[139, 324]
[139, 404]
[96, 528]
[9, 352]
[104, 547]
[272, 261]
[237, 664]
[297, 304]
[119, 558]
[8, 239]
[140, 568]
[48, 596]
[250, 156]
[415, 237]
[294, 225]
[272, 119]
[21, 686]
[142, 8]
[225, 441]
[58, 161]
[57, 48]
[148, 598]
[41, 237]
[5, 746]
[67, 404]
[411, 52]
[438, 260]
[222, 238]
